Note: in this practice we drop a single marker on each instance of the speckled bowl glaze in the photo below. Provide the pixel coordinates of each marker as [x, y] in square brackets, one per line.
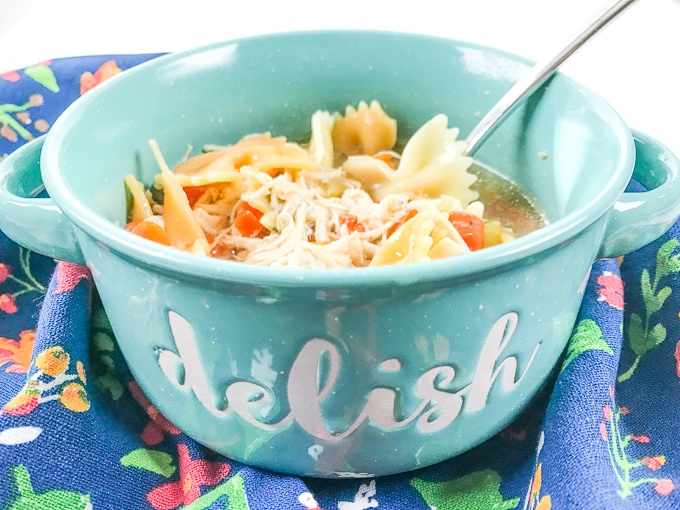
[351, 372]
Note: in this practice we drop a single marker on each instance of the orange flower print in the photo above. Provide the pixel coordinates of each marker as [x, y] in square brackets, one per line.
[536, 501]
[51, 381]
[15, 356]
[53, 361]
[74, 398]
[653, 463]
[107, 70]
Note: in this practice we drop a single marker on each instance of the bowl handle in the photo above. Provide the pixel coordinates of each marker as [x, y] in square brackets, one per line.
[638, 219]
[35, 223]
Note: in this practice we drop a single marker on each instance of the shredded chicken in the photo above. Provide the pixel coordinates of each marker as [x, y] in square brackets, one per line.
[267, 201]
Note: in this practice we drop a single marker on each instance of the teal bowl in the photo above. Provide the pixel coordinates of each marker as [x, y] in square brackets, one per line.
[352, 372]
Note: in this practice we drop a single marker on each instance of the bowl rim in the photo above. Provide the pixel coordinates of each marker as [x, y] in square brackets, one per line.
[185, 264]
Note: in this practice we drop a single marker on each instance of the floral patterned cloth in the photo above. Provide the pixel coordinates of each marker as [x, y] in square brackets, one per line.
[76, 432]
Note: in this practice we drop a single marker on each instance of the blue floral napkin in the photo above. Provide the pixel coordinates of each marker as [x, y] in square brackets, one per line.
[76, 432]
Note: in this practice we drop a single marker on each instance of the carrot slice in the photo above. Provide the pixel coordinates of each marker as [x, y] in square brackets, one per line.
[148, 230]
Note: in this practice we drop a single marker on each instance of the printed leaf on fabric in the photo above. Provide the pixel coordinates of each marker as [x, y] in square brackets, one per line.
[233, 490]
[642, 334]
[27, 282]
[157, 462]
[25, 498]
[627, 471]
[103, 346]
[587, 337]
[479, 490]
[43, 75]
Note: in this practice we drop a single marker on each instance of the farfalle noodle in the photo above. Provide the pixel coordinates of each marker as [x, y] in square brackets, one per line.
[336, 201]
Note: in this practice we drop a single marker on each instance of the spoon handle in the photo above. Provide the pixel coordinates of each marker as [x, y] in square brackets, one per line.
[536, 76]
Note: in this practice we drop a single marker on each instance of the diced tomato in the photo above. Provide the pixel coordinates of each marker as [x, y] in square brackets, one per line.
[194, 193]
[247, 222]
[352, 222]
[470, 228]
[221, 252]
[247, 207]
[148, 230]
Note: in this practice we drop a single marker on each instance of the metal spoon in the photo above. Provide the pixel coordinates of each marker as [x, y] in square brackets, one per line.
[536, 76]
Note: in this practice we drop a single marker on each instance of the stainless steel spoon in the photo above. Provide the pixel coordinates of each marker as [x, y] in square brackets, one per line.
[536, 76]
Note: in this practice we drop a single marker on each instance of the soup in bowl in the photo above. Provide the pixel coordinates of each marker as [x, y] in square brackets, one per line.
[340, 371]
[345, 198]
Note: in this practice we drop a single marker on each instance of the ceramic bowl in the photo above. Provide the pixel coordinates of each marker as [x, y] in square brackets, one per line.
[353, 372]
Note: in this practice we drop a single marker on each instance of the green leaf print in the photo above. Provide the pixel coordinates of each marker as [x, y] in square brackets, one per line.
[150, 460]
[642, 334]
[479, 490]
[636, 330]
[24, 497]
[667, 263]
[587, 337]
[44, 76]
[235, 491]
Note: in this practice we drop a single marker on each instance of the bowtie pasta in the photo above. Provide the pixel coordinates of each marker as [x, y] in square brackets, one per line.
[344, 199]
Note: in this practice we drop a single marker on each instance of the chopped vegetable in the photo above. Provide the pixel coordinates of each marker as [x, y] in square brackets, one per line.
[148, 230]
[193, 193]
[470, 228]
[138, 206]
[344, 199]
[248, 221]
[183, 230]
[352, 222]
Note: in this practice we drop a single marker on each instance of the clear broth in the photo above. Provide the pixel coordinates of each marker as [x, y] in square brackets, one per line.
[506, 202]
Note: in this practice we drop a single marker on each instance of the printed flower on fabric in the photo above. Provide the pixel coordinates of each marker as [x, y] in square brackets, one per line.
[193, 474]
[16, 120]
[107, 70]
[15, 355]
[611, 290]
[536, 501]
[51, 382]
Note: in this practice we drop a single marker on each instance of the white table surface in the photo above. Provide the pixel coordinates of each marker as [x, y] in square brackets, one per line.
[634, 63]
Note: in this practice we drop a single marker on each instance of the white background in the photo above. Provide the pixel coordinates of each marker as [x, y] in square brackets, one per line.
[634, 63]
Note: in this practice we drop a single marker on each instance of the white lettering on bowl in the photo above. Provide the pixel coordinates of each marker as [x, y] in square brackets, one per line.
[306, 393]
